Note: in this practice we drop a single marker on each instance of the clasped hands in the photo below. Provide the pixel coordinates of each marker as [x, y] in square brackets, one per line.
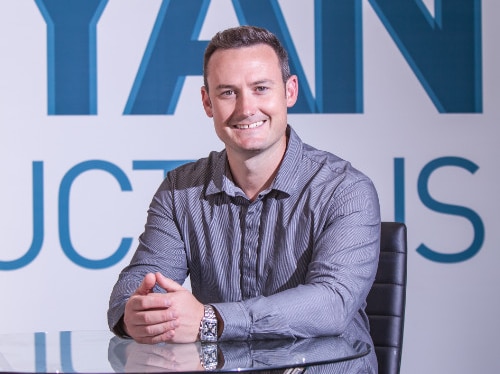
[152, 318]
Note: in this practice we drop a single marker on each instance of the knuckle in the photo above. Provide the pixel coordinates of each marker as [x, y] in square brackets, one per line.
[148, 330]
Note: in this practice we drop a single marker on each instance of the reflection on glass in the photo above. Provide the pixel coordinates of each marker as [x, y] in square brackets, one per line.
[129, 356]
[101, 352]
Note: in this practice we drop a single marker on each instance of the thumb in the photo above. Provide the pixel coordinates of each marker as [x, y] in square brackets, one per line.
[147, 284]
[167, 284]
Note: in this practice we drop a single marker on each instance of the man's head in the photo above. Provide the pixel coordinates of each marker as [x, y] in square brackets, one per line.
[251, 90]
[246, 36]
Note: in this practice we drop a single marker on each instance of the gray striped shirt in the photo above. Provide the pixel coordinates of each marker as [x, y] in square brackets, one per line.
[296, 262]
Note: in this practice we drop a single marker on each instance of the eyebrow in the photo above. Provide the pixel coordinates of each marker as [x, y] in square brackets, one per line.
[256, 83]
[224, 86]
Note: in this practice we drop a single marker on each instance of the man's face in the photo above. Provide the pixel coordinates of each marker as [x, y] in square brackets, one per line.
[248, 99]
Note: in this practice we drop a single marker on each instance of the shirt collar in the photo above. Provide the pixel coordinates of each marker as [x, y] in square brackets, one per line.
[285, 180]
[221, 180]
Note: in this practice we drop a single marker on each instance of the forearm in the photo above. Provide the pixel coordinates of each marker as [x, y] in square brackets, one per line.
[302, 312]
[269, 317]
[122, 290]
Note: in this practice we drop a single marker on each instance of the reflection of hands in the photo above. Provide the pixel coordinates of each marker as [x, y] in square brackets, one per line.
[155, 317]
[162, 358]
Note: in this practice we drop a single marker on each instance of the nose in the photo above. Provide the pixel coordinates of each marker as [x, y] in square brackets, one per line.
[246, 104]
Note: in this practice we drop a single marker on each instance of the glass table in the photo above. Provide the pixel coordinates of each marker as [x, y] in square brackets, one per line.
[101, 352]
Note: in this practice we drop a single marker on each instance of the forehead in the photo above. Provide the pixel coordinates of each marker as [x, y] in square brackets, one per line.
[259, 57]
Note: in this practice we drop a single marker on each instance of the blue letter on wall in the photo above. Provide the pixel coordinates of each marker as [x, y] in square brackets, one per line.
[444, 52]
[267, 14]
[456, 210]
[339, 58]
[64, 225]
[38, 223]
[71, 54]
[173, 52]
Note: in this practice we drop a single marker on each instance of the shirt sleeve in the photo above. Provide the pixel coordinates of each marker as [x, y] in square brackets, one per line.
[339, 277]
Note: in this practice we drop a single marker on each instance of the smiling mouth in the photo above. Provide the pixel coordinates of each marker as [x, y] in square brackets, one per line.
[253, 125]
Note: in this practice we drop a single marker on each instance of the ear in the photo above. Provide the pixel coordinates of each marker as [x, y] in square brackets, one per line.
[207, 103]
[291, 90]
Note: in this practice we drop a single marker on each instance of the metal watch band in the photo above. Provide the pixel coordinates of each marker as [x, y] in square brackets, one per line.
[208, 325]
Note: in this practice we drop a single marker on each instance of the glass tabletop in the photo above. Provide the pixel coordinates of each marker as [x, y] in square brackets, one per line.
[101, 352]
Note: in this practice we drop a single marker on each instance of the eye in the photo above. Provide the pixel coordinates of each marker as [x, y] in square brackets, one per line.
[261, 88]
[227, 93]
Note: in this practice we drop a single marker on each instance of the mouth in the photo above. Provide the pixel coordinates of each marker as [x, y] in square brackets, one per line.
[252, 125]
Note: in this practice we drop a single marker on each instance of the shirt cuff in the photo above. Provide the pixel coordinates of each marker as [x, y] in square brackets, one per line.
[236, 321]
[119, 330]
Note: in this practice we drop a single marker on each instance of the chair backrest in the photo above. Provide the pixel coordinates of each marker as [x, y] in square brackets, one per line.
[387, 298]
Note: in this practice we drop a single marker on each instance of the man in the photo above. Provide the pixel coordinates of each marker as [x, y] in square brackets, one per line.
[280, 240]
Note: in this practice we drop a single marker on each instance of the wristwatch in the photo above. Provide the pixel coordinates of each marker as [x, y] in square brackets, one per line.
[208, 325]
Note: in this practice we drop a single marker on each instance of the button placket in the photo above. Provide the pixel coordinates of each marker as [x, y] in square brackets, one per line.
[250, 244]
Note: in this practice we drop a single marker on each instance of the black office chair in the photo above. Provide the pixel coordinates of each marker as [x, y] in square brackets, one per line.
[387, 298]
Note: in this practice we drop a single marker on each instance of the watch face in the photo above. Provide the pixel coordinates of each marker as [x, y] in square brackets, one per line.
[208, 326]
[209, 330]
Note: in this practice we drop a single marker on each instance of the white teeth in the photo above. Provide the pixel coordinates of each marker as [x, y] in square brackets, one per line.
[250, 126]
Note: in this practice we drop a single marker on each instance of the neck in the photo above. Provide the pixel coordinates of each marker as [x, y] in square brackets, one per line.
[253, 174]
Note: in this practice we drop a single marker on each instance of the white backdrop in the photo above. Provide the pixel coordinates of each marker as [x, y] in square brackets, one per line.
[452, 322]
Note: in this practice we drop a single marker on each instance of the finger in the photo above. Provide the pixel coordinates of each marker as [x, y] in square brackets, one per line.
[149, 333]
[168, 284]
[165, 336]
[155, 330]
[151, 302]
[146, 285]
[153, 317]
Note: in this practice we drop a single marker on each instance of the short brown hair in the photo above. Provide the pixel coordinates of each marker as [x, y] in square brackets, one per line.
[246, 36]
